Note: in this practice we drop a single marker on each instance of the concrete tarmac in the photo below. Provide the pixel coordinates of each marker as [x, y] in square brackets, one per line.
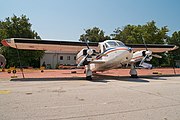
[118, 98]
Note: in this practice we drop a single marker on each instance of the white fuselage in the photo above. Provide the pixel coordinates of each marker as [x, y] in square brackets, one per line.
[113, 54]
[113, 58]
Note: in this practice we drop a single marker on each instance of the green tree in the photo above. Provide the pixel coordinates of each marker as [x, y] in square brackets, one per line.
[132, 34]
[94, 35]
[175, 40]
[19, 27]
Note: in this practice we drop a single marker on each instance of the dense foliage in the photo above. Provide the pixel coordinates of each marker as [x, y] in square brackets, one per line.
[94, 35]
[132, 34]
[19, 27]
[174, 55]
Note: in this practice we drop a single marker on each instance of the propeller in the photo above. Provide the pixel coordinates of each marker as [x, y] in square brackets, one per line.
[89, 54]
[148, 54]
[82, 61]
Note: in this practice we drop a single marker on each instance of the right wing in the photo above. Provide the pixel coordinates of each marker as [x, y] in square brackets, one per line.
[50, 45]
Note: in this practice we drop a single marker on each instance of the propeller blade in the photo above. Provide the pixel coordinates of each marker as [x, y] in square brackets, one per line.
[81, 62]
[143, 60]
[87, 45]
[157, 56]
[145, 44]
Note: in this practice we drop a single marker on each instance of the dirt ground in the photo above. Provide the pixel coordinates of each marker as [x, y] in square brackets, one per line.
[52, 73]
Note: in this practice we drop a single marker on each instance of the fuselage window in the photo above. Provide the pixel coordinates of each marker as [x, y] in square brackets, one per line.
[104, 49]
[106, 45]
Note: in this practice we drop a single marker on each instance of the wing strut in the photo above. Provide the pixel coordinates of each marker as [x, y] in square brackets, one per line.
[20, 62]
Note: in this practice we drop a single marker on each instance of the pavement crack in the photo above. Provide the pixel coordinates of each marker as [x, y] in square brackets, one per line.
[117, 112]
[150, 93]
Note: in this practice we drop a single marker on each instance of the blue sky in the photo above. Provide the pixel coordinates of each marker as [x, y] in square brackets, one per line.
[67, 19]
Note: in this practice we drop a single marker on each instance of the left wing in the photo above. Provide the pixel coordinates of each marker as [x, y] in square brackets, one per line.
[155, 48]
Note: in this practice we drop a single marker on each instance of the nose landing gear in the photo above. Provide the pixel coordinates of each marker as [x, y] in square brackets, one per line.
[88, 72]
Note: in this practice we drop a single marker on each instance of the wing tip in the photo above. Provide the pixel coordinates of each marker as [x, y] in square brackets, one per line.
[175, 47]
[5, 43]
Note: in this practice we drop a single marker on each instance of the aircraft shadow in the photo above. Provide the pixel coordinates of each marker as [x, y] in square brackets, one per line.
[58, 79]
[139, 79]
[120, 78]
[98, 78]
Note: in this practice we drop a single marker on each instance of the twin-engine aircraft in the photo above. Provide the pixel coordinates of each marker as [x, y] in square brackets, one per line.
[94, 56]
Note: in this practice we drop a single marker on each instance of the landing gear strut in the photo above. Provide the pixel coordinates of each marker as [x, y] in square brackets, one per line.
[133, 72]
[88, 72]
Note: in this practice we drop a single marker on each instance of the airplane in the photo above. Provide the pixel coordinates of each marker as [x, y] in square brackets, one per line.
[95, 56]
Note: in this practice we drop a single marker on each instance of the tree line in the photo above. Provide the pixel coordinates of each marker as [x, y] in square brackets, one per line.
[134, 34]
[19, 27]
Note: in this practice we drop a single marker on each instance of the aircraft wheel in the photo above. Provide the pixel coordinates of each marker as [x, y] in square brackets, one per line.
[134, 76]
[88, 78]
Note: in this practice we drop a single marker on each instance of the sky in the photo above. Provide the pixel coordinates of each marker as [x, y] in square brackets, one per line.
[68, 19]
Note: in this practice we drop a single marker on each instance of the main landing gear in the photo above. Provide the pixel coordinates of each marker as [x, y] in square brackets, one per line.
[133, 72]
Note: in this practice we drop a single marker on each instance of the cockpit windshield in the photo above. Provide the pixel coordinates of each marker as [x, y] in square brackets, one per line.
[120, 43]
[114, 44]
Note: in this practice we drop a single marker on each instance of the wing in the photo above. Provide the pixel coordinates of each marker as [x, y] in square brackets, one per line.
[74, 47]
[50, 45]
[155, 48]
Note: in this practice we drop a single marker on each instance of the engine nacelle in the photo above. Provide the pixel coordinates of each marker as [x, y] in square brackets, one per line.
[83, 53]
[139, 55]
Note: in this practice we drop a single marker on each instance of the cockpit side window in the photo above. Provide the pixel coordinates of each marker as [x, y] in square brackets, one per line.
[106, 45]
[104, 49]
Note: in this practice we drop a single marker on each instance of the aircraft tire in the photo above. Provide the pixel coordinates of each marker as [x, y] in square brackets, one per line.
[134, 76]
[88, 78]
